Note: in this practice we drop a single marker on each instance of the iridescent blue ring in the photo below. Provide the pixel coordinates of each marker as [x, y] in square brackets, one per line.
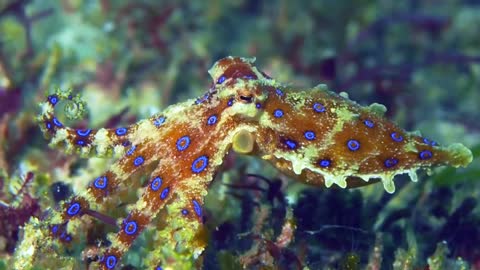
[121, 131]
[390, 162]
[200, 164]
[53, 99]
[279, 91]
[73, 209]
[278, 113]
[80, 142]
[318, 107]
[230, 102]
[197, 208]
[183, 143]
[184, 212]
[221, 79]
[110, 261]
[369, 123]
[291, 144]
[309, 135]
[130, 227]
[430, 142]
[156, 183]
[48, 125]
[101, 182]
[353, 145]
[138, 161]
[425, 154]
[159, 121]
[83, 132]
[55, 229]
[212, 120]
[131, 150]
[56, 122]
[164, 193]
[396, 136]
[324, 163]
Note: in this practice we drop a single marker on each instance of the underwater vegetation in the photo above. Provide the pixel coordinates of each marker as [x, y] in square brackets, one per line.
[137, 170]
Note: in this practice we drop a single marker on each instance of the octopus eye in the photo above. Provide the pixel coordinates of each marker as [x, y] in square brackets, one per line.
[246, 99]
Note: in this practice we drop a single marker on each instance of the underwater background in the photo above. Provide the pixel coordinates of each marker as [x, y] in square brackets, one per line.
[131, 59]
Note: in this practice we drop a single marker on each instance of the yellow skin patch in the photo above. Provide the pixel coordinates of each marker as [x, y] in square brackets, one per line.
[315, 135]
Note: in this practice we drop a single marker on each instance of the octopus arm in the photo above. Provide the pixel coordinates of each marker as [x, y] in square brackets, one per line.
[192, 156]
[86, 142]
[102, 189]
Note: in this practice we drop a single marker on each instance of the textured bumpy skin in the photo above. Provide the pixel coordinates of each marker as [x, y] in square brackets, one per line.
[314, 135]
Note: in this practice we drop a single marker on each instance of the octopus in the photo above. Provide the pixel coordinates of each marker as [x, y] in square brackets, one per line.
[315, 135]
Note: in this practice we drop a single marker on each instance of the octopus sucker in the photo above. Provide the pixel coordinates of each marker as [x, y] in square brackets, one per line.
[314, 135]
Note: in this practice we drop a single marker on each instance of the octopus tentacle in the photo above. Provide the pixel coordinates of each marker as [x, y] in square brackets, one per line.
[83, 141]
[103, 188]
[160, 191]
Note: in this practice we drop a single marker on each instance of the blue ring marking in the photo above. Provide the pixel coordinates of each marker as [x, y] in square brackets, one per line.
[353, 145]
[56, 122]
[183, 143]
[430, 142]
[55, 229]
[68, 238]
[325, 163]
[318, 107]
[203, 160]
[159, 121]
[197, 208]
[212, 120]
[70, 97]
[48, 125]
[131, 150]
[258, 105]
[80, 142]
[369, 123]
[425, 154]
[309, 135]
[184, 212]
[130, 227]
[73, 209]
[84, 132]
[390, 162]
[138, 161]
[278, 113]
[202, 99]
[396, 136]
[156, 183]
[221, 79]
[279, 92]
[159, 268]
[111, 261]
[101, 182]
[53, 99]
[164, 193]
[121, 131]
[230, 102]
[291, 144]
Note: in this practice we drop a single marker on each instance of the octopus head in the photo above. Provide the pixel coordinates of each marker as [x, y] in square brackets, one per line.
[238, 79]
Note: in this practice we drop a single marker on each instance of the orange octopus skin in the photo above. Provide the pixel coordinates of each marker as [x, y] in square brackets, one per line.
[315, 135]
